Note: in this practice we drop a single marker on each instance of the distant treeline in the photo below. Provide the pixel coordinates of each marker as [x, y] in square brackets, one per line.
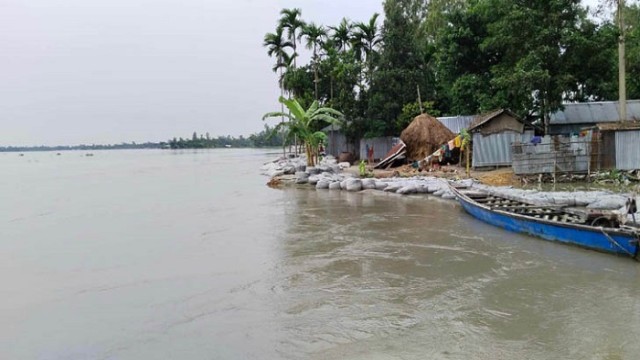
[264, 138]
[133, 145]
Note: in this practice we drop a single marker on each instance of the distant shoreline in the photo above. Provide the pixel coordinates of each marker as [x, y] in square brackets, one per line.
[25, 149]
[83, 147]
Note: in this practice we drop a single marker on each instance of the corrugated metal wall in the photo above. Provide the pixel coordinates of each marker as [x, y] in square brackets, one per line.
[381, 146]
[553, 155]
[336, 143]
[628, 150]
[495, 149]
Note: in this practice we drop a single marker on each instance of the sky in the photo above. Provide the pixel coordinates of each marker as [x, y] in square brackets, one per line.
[112, 71]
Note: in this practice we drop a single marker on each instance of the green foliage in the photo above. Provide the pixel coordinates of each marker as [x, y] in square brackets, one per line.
[410, 111]
[305, 124]
[466, 137]
[403, 65]
[362, 168]
[466, 57]
[632, 21]
[265, 138]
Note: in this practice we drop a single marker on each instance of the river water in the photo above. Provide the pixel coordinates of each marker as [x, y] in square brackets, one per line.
[188, 255]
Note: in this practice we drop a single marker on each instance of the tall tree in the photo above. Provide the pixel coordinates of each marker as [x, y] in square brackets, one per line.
[367, 40]
[276, 45]
[315, 37]
[404, 64]
[463, 66]
[632, 24]
[532, 36]
[291, 21]
[342, 34]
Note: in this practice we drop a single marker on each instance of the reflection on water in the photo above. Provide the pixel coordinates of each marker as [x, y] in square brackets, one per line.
[151, 254]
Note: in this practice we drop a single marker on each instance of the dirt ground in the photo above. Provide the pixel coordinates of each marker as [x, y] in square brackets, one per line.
[495, 177]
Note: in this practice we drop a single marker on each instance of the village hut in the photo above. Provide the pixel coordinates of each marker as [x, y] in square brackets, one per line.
[493, 135]
[425, 135]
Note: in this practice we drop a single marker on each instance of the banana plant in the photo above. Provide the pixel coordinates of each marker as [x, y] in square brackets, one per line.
[304, 123]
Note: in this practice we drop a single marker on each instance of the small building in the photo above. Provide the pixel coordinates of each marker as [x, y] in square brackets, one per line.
[575, 117]
[617, 145]
[492, 136]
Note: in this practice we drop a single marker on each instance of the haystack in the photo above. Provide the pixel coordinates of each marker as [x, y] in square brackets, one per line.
[425, 135]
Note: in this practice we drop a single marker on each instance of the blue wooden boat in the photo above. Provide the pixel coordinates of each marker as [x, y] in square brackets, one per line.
[598, 231]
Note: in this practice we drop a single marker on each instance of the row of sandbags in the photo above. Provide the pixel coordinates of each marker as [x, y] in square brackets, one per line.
[298, 165]
[328, 175]
[600, 199]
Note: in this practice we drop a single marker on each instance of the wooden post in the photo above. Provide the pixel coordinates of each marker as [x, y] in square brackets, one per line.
[419, 100]
[467, 150]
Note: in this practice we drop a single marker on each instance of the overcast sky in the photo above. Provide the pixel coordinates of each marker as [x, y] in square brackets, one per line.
[111, 71]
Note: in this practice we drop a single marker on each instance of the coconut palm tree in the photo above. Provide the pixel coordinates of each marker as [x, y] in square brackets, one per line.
[276, 45]
[302, 123]
[290, 20]
[315, 36]
[341, 34]
[366, 41]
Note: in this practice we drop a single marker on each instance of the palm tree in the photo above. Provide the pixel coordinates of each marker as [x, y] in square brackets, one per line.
[342, 34]
[276, 46]
[366, 40]
[315, 36]
[302, 123]
[291, 21]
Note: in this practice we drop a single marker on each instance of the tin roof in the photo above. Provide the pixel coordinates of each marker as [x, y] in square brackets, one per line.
[332, 127]
[485, 118]
[624, 125]
[594, 112]
[457, 123]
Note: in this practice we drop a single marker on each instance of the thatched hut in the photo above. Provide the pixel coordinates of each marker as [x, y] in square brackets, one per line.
[425, 135]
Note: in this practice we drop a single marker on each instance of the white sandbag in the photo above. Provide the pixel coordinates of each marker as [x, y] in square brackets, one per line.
[368, 184]
[323, 184]
[611, 202]
[334, 185]
[302, 177]
[354, 185]
[410, 189]
[381, 185]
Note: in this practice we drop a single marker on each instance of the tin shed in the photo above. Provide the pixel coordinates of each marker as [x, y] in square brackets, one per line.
[620, 148]
[493, 134]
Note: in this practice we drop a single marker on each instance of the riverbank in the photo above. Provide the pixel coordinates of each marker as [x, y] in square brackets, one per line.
[331, 175]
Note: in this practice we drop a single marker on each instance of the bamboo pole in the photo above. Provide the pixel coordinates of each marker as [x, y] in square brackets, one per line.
[622, 81]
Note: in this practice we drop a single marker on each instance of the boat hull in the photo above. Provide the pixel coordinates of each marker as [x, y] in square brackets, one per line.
[595, 238]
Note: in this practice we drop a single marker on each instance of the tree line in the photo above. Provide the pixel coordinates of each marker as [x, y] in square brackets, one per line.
[454, 57]
[265, 138]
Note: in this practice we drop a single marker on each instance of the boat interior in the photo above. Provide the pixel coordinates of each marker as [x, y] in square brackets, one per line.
[557, 213]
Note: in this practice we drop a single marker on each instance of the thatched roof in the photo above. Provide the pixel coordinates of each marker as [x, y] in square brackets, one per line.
[425, 135]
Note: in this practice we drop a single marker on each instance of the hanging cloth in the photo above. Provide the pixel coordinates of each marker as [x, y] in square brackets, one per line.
[457, 142]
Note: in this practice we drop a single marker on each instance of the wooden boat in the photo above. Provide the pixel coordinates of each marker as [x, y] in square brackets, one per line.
[601, 231]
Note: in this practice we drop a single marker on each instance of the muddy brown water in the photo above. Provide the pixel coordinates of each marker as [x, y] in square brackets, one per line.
[161, 254]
